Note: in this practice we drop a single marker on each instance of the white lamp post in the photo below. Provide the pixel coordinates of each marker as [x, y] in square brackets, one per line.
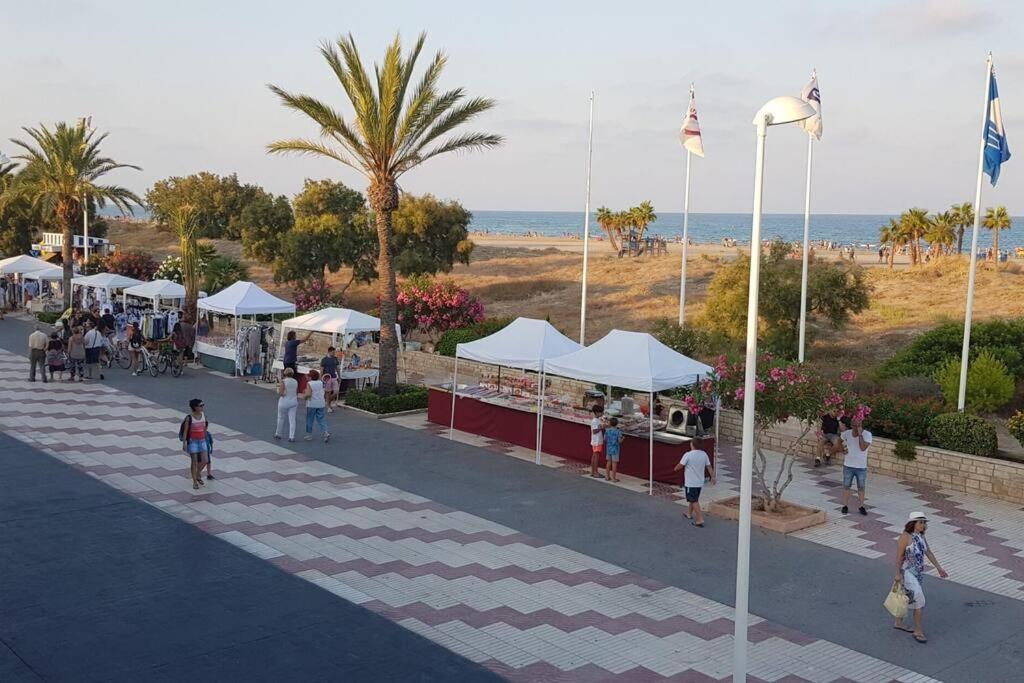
[776, 112]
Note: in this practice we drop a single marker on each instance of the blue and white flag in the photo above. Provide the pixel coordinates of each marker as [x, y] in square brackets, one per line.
[997, 150]
[812, 96]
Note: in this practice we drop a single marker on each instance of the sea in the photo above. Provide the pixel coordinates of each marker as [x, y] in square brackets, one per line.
[859, 230]
[844, 229]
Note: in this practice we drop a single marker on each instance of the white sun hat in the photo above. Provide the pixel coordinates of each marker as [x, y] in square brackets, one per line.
[917, 517]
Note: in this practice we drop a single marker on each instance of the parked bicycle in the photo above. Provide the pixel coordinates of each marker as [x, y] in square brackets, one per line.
[170, 358]
[120, 357]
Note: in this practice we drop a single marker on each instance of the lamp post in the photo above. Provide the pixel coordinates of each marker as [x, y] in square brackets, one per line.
[776, 112]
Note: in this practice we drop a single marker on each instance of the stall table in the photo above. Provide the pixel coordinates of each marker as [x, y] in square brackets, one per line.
[564, 436]
[361, 378]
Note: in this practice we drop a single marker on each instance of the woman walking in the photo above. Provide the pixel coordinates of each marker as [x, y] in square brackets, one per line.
[76, 354]
[910, 554]
[315, 406]
[287, 404]
[193, 436]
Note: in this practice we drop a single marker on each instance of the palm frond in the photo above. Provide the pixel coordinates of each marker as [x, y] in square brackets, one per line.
[423, 96]
[312, 148]
[462, 143]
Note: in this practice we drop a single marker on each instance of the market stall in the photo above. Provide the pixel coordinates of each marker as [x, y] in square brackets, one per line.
[154, 306]
[636, 361]
[333, 327]
[17, 266]
[524, 344]
[241, 346]
[44, 297]
[100, 288]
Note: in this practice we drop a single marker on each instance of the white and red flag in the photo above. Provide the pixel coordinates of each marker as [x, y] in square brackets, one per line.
[689, 134]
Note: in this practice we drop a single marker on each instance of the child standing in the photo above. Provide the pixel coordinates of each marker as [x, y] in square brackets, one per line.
[331, 388]
[316, 404]
[55, 357]
[596, 440]
[694, 463]
[612, 439]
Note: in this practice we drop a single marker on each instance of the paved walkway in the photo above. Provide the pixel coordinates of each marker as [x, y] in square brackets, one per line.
[522, 607]
[980, 541]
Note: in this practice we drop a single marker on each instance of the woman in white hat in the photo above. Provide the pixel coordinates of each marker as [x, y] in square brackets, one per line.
[910, 556]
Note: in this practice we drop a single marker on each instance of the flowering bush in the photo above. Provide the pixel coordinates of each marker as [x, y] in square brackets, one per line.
[137, 264]
[436, 306]
[312, 295]
[784, 390]
[170, 267]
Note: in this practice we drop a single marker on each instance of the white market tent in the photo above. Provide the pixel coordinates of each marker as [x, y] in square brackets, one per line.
[337, 322]
[45, 274]
[106, 282]
[525, 344]
[16, 265]
[245, 298]
[631, 360]
[156, 291]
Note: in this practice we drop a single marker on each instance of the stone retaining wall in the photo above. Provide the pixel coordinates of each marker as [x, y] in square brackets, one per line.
[946, 469]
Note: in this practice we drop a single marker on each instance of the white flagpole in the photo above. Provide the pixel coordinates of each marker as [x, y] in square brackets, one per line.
[807, 245]
[586, 224]
[686, 241]
[965, 352]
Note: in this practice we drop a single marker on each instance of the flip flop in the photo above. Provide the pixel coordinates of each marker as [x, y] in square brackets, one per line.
[920, 639]
[903, 628]
[695, 524]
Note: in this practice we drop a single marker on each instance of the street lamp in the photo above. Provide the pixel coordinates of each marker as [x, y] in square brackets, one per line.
[776, 112]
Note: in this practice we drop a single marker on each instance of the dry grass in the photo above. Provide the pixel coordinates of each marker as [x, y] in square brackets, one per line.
[631, 293]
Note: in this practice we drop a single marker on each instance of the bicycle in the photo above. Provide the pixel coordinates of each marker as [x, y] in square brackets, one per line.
[148, 362]
[171, 359]
[121, 357]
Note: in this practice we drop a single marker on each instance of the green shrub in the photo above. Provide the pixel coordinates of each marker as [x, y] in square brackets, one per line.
[989, 384]
[1015, 425]
[463, 335]
[48, 318]
[926, 354]
[963, 433]
[688, 341]
[905, 450]
[407, 397]
[901, 418]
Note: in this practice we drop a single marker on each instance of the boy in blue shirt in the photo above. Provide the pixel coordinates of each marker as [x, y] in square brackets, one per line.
[612, 439]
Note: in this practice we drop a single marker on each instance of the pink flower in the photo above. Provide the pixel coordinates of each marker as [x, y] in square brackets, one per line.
[740, 394]
[759, 386]
[848, 376]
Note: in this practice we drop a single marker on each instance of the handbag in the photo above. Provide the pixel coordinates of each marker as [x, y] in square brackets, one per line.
[896, 601]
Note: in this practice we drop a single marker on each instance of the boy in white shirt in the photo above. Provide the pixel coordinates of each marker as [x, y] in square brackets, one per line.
[694, 464]
[855, 465]
[596, 440]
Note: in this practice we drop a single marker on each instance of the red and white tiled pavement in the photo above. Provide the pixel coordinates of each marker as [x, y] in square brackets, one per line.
[526, 609]
[980, 541]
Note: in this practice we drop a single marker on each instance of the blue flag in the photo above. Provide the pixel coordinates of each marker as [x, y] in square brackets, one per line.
[996, 149]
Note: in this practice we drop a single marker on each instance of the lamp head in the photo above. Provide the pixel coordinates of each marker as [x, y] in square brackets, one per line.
[784, 109]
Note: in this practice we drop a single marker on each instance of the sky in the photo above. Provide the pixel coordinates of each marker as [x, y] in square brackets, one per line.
[181, 87]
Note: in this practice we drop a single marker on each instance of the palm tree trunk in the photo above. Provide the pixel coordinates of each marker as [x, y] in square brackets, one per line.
[611, 238]
[995, 246]
[66, 211]
[190, 276]
[892, 255]
[383, 196]
[960, 240]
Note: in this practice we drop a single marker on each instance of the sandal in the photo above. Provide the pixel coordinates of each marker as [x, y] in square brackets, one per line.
[209, 476]
[920, 639]
[903, 628]
[195, 484]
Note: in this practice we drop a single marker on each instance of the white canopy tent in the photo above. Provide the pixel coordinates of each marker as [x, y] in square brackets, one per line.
[16, 265]
[525, 344]
[631, 360]
[106, 282]
[245, 298]
[337, 322]
[45, 274]
[157, 291]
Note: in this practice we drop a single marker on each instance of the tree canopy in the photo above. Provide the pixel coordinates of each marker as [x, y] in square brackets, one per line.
[219, 201]
[431, 235]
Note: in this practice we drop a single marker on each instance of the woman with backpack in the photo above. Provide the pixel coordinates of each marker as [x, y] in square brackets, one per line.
[194, 435]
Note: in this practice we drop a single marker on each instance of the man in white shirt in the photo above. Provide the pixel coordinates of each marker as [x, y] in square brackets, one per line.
[856, 439]
[694, 464]
[37, 342]
[596, 440]
[93, 346]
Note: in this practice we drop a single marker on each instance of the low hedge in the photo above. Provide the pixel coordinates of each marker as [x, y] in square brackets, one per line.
[463, 335]
[963, 433]
[48, 318]
[407, 397]
[902, 418]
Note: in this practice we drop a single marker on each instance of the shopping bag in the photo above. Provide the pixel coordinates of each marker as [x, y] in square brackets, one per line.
[896, 601]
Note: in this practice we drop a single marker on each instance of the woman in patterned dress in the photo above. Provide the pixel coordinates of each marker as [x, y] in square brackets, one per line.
[910, 554]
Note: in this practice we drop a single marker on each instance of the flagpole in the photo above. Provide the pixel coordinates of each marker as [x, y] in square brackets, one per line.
[586, 224]
[965, 352]
[807, 245]
[686, 242]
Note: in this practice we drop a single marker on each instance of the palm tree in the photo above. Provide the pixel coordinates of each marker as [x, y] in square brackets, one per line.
[186, 225]
[62, 170]
[915, 223]
[642, 216]
[941, 232]
[394, 130]
[997, 219]
[963, 217]
[606, 219]
[893, 236]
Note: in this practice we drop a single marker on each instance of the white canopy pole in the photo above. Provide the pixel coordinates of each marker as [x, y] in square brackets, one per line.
[540, 417]
[540, 391]
[455, 384]
[650, 443]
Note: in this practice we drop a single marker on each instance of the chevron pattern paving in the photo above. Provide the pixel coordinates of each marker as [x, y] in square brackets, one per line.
[526, 609]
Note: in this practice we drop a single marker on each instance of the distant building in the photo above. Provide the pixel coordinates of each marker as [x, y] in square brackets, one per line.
[53, 243]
